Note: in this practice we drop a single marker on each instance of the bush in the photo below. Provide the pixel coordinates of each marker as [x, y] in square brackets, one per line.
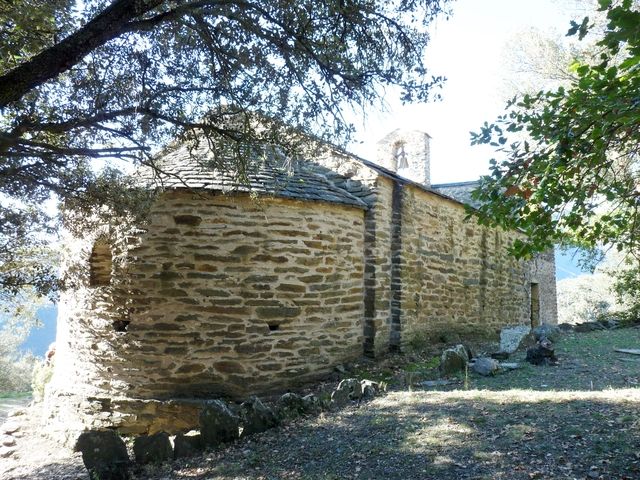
[15, 372]
[42, 373]
[586, 298]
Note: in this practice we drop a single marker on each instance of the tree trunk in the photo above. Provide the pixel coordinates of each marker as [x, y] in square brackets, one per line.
[59, 58]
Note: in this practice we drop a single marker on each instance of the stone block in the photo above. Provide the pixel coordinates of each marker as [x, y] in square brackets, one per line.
[218, 424]
[511, 337]
[152, 448]
[104, 454]
[187, 445]
[256, 417]
[485, 366]
[290, 406]
[347, 389]
[453, 360]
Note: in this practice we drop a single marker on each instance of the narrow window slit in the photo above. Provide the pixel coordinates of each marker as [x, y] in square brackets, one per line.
[121, 325]
[273, 327]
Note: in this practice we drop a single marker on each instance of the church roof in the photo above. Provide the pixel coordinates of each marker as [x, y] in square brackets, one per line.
[460, 191]
[182, 167]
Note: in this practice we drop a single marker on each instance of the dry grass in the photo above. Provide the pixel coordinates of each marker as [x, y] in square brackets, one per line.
[579, 420]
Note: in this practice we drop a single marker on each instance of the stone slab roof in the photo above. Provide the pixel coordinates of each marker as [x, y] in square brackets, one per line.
[181, 167]
[460, 191]
[184, 167]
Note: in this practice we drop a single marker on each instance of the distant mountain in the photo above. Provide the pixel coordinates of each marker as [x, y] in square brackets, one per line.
[40, 338]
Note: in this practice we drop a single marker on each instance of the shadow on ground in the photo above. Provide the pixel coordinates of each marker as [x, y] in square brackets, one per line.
[454, 435]
[580, 420]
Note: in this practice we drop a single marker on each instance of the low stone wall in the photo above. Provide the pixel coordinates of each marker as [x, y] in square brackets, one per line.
[67, 415]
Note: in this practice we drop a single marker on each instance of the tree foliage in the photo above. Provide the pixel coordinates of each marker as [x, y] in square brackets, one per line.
[97, 80]
[17, 318]
[570, 155]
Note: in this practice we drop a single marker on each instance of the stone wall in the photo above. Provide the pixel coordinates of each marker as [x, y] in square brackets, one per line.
[378, 269]
[376, 190]
[542, 271]
[457, 277]
[454, 277]
[224, 295]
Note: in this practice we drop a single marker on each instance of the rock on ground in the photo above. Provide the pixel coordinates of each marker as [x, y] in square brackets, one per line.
[256, 417]
[290, 406]
[369, 388]
[588, 327]
[312, 403]
[453, 360]
[347, 389]
[104, 454]
[187, 445]
[551, 332]
[152, 448]
[512, 337]
[542, 354]
[485, 366]
[218, 424]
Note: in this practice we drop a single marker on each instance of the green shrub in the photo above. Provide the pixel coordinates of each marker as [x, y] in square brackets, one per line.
[42, 373]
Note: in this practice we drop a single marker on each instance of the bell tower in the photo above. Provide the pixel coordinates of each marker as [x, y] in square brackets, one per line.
[407, 153]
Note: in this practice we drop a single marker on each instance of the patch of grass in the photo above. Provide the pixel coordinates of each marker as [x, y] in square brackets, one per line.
[478, 420]
[423, 366]
[377, 375]
[14, 395]
[587, 361]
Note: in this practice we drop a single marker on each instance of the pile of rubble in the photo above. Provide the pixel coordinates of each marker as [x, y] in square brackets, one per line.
[540, 351]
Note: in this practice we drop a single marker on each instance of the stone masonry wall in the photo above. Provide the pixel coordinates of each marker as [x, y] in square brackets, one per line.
[457, 277]
[228, 296]
[375, 190]
[542, 270]
[379, 268]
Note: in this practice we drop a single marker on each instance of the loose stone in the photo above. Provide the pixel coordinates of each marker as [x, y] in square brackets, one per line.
[104, 454]
[152, 448]
[511, 337]
[256, 417]
[453, 360]
[485, 366]
[290, 405]
[218, 424]
[187, 445]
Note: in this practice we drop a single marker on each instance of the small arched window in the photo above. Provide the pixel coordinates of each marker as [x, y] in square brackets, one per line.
[100, 264]
[400, 156]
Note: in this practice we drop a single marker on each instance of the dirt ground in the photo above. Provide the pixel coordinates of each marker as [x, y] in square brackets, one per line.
[577, 420]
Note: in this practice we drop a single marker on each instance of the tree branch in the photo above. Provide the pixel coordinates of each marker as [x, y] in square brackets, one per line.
[48, 64]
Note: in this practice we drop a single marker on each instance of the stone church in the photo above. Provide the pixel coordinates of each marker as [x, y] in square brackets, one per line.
[232, 289]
